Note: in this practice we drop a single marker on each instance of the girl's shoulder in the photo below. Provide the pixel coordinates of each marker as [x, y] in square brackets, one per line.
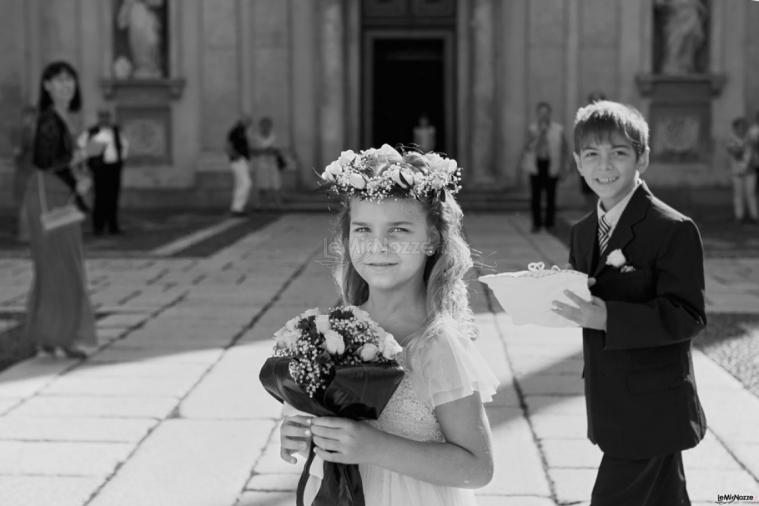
[449, 366]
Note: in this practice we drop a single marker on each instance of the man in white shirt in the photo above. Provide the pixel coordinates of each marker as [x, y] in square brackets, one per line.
[106, 171]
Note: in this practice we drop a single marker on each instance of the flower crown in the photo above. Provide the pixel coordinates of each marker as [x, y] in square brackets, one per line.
[375, 174]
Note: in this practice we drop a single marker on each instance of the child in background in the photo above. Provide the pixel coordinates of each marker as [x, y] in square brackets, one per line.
[743, 175]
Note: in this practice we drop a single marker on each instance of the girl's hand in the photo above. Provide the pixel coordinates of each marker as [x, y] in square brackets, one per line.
[344, 441]
[294, 437]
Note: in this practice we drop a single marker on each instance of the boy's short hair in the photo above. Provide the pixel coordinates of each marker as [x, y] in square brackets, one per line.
[600, 119]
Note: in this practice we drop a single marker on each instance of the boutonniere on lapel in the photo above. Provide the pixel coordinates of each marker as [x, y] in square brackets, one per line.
[617, 259]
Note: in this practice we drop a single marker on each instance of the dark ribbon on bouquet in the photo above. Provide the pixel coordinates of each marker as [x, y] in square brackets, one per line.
[358, 392]
[341, 484]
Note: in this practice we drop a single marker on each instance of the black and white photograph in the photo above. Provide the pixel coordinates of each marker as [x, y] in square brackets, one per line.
[379, 252]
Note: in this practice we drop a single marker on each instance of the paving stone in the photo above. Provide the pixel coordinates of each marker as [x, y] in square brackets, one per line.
[91, 406]
[213, 397]
[47, 490]
[572, 485]
[705, 485]
[556, 405]
[21, 428]
[123, 321]
[709, 454]
[61, 458]
[125, 352]
[7, 403]
[273, 482]
[571, 453]
[748, 455]
[124, 386]
[516, 458]
[548, 426]
[252, 498]
[28, 377]
[551, 385]
[188, 462]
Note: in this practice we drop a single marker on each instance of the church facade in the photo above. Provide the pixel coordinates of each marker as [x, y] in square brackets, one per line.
[339, 74]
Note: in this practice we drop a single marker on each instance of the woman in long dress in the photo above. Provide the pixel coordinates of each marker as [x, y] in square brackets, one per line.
[59, 313]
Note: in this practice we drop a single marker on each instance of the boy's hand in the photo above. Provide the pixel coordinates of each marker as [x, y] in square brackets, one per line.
[589, 315]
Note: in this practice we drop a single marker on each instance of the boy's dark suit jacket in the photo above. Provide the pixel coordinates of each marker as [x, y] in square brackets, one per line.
[640, 391]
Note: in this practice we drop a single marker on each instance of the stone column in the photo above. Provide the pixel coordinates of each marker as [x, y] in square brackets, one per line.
[483, 108]
[631, 49]
[512, 90]
[331, 103]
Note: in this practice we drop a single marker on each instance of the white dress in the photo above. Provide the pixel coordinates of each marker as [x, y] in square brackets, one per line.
[447, 367]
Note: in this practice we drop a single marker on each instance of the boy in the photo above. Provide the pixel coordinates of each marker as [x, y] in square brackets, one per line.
[645, 267]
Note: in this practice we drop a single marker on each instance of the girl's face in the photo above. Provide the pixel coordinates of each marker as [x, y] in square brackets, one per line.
[61, 87]
[388, 242]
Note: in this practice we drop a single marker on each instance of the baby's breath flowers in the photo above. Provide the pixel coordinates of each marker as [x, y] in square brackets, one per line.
[317, 343]
[376, 174]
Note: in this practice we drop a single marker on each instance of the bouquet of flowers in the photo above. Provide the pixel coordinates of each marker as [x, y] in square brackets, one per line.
[335, 364]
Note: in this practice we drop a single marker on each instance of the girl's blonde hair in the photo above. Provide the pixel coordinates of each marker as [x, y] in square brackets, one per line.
[447, 298]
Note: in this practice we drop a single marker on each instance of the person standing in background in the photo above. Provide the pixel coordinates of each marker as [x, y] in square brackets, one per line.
[268, 179]
[424, 134]
[544, 159]
[22, 140]
[238, 150]
[106, 169]
[753, 140]
[59, 313]
[743, 175]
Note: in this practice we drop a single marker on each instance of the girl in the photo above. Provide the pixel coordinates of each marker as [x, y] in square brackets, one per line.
[403, 259]
[59, 314]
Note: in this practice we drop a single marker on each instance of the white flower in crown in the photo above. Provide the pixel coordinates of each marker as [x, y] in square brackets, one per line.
[616, 258]
[346, 157]
[332, 171]
[388, 154]
[375, 174]
[357, 181]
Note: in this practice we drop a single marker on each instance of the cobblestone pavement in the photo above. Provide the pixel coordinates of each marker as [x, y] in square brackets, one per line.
[169, 409]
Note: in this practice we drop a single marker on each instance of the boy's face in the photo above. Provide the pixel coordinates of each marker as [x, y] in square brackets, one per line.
[610, 167]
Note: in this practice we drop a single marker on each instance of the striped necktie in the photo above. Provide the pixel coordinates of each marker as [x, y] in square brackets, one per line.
[603, 234]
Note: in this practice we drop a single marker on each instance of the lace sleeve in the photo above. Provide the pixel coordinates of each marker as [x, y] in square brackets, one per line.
[50, 149]
[451, 368]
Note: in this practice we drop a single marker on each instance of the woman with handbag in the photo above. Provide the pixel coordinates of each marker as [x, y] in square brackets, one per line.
[59, 313]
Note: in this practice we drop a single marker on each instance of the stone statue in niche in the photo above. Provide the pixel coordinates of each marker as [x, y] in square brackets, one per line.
[140, 39]
[682, 35]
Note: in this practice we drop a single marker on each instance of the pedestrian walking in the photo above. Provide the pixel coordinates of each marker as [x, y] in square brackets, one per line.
[238, 150]
[59, 313]
[106, 169]
[753, 139]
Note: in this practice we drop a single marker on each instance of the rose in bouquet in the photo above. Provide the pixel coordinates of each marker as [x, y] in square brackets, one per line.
[335, 364]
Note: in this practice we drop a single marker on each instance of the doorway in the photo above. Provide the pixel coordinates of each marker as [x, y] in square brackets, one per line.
[407, 74]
